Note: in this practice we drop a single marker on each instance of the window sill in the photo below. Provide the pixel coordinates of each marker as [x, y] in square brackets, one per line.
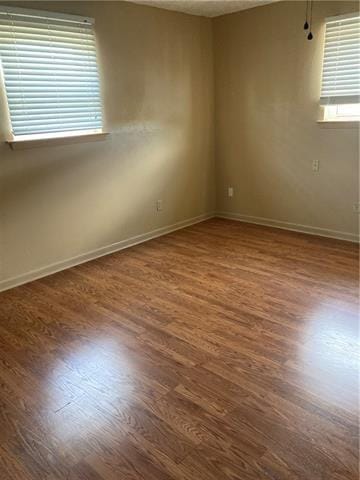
[37, 141]
[339, 123]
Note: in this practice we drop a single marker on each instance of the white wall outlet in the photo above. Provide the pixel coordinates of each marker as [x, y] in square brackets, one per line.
[356, 207]
[159, 205]
[230, 191]
[315, 165]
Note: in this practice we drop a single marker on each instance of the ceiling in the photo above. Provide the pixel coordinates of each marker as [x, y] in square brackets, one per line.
[205, 8]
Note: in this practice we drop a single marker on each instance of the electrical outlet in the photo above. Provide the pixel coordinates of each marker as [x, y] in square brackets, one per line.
[159, 205]
[356, 207]
[230, 191]
[315, 165]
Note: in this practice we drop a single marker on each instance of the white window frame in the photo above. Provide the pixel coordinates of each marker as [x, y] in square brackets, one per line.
[342, 113]
[46, 136]
[346, 111]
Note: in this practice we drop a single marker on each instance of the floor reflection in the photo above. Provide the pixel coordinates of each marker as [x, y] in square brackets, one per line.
[87, 378]
[328, 361]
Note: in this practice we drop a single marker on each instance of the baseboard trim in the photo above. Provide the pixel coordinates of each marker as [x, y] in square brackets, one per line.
[295, 227]
[99, 252]
[132, 241]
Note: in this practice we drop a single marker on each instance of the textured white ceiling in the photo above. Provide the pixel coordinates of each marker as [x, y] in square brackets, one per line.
[206, 8]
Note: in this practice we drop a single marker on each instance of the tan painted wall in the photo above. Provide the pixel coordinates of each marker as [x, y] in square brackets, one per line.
[157, 69]
[157, 77]
[267, 86]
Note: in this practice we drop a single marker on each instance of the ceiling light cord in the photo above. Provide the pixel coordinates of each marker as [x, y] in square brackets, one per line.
[306, 24]
[310, 36]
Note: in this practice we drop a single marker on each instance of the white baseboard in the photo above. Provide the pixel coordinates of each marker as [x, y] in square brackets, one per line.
[92, 255]
[268, 222]
[99, 252]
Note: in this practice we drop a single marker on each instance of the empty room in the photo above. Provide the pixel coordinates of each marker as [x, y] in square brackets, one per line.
[179, 240]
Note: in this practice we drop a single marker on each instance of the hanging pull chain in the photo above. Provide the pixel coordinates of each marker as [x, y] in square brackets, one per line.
[306, 25]
[310, 36]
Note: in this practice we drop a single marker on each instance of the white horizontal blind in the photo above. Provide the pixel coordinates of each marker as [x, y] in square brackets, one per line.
[50, 71]
[341, 69]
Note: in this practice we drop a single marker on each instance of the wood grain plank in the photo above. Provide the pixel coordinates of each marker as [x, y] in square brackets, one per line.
[221, 351]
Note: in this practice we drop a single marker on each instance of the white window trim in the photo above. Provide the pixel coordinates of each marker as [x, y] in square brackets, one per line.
[35, 141]
[337, 122]
[327, 115]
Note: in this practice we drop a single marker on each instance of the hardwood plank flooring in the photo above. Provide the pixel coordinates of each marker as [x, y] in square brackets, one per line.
[224, 351]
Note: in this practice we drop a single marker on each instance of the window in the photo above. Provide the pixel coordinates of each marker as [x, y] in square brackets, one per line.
[340, 93]
[50, 73]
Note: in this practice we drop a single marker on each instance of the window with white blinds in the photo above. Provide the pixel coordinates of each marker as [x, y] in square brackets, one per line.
[341, 68]
[50, 72]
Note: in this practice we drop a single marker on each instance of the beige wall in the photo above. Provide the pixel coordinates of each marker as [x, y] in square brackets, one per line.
[267, 81]
[58, 202]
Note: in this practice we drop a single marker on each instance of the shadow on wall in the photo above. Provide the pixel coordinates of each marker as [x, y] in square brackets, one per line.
[76, 198]
[96, 193]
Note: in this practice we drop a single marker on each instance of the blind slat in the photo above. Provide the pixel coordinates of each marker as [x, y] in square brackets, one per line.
[341, 66]
[86, 90]
[48, 50]
[51, 83]
[33, 30]
[44, 39]
[23, 114]
[60, 128]
[25, 62]
[50, 120]
[29, 69]
[344, 75]
[36, 75]
[42, 29]
[49, 96]
[38, 104]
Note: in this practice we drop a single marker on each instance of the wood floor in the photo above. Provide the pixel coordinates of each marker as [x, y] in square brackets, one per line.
[219, 352]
